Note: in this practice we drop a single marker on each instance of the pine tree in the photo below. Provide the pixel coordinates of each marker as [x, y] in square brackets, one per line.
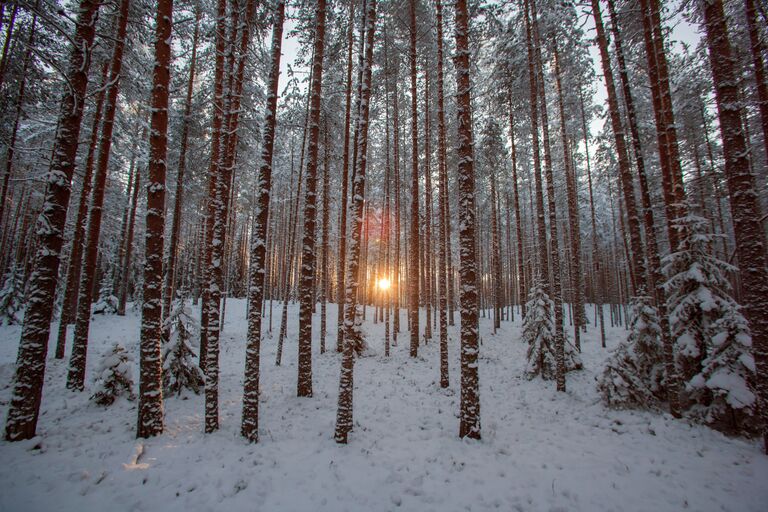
[634, 374]
[179, 368]
[712, 335]
[12, 297]
[114, 377]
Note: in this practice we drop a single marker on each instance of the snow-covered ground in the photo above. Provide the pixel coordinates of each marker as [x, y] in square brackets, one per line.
[541, 450]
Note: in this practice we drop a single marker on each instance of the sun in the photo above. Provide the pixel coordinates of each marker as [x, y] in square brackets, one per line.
[384, 284]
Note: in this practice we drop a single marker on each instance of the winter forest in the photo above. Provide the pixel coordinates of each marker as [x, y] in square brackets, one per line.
[378, 255]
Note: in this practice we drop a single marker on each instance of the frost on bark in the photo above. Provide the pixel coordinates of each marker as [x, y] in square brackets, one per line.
[306, 288]
[150, 416]
[469, 425]
[745, 208]
[352, 334]
[33, 347]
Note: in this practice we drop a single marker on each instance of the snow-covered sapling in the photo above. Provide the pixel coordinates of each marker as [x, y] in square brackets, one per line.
[179, 368]
[107, 302]
[12, 296]
[115, 376]
[713, 339]
[634, 373]
[539, 334]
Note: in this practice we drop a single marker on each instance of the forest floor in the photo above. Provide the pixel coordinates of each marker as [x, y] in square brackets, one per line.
[541, 450]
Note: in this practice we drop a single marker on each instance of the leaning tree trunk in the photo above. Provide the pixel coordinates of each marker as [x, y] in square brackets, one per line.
[33, 347]
[745, 207]
[150, 417]
[470, 394]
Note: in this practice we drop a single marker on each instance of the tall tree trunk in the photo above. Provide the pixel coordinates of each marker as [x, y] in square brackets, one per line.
[213, 179]
[413, 287]
[150, 420]
[758, 67]
[745, 207]
[352, 333]
[20, 96]
[77, 362]
[470, 392]
[554, 241]
[33, 347]
[306, 296]
[442, 274]
[250, 422]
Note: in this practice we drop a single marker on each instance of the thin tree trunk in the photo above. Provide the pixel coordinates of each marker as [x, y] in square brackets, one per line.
[173, 248]
[442, 275]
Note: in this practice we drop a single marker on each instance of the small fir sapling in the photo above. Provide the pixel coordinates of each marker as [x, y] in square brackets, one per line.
[107, 302]
[539, 334]
[712, 336]
[12, 297]
[634, 373]
[115, 377]
[179, 368]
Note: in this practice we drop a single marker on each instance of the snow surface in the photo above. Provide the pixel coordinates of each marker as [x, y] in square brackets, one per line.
[541, 450]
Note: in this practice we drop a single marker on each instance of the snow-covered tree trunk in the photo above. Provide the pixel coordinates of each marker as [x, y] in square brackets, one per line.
[352, 334]
[306, 289]
[745, 207]
[249, 427]
[413, 264]
[470, 386]
[442, 274]
[150, 416]
[33, 347]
